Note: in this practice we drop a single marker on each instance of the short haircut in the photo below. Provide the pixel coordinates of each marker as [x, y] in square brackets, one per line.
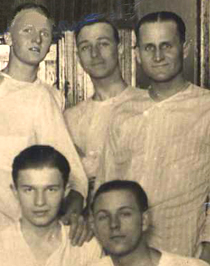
[163, 16]
[134, 187]
[38, 157]
[27, 6]
[97, 18]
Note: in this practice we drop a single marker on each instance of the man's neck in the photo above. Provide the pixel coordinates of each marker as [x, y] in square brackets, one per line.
[44, 233]
[163, 90]
[109, 87]
[43, 241]
[20, 71]
[142, 256]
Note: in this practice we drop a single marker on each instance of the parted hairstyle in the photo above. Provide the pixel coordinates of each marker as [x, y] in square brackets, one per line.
[97, 18]
[38, 157]
[162, 16]
[116, 185]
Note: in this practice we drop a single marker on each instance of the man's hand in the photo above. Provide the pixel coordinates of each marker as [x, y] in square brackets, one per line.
[91, 163]
[205, 255]
[80, 230]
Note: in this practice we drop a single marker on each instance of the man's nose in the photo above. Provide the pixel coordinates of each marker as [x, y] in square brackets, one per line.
[114, 222]
[40, 199]
[37, 38]
[158, 55]
[95, 51]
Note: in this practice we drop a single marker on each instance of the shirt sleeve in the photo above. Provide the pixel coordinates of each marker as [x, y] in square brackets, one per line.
[206, 233]
[73, 117]
[50, 129]
[114, 155]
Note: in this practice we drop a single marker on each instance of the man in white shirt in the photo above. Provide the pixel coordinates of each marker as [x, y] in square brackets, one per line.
[40, 183]
[98, 49]
[121, 222]
[32, 108]
[161, 140]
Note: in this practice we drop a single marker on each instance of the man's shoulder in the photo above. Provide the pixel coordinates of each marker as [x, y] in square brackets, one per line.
[105, 261]
[78, 110]
[196, 91]
[177, 260]
[10, 232]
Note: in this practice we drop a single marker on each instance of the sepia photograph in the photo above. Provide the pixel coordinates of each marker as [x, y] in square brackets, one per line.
[104, 133]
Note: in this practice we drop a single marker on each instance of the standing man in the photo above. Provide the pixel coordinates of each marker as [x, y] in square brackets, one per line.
[28, 112]
[121, 222]
[165, 145]
[98, 46]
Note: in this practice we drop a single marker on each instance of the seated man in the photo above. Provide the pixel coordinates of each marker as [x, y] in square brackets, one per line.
[121, 222]
[40, 174]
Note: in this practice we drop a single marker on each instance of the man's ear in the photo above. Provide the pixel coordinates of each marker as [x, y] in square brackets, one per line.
[186, 48]
[67, 189]
[91, 222]
[145, 221]
[8, 38]
[120, 49]
[137, 54]
[14, 191]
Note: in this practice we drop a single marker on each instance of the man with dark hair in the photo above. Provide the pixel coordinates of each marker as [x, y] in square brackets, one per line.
[40, 174]
[98, 49]
[121, 222]
[160, 140]
[29, 113]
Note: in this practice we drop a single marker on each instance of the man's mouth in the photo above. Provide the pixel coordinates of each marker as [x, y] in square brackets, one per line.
[35, 49]
[117, 237]
[160, 66]
[40, 213]
[97, 64]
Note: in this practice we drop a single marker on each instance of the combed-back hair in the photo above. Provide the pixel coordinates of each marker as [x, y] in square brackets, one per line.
[38, 157]
[93, 19]
[116, 185]
[162, 17]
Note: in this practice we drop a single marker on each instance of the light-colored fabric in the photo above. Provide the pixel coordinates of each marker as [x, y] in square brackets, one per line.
[57, 94]
[29, 116]
[167, 259]
[14, 250]
[165, 147]
[88, 121]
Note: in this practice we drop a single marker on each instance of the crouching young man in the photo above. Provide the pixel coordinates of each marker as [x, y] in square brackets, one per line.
[40, 176]
[121, 222]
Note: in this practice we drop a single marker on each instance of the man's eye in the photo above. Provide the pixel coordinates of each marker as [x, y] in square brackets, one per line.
[102, 217]
[149, 48]
[28, 190]
[27, 30]
[84, 48]
[166, 46]
[45, 34]
[104, 44]
[52, 189]
[125, 214]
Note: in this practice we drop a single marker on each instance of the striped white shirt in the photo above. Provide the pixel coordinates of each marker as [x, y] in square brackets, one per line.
[165, 146]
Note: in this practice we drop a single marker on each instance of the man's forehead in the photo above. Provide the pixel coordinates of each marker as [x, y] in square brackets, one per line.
[95, 30]
[31, 17]
[158, 30]
[115, 199]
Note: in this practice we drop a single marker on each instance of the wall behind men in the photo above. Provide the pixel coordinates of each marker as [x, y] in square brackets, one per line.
[189, 11]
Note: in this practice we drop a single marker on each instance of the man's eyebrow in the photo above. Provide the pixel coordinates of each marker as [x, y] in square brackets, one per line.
[82, 42]
[126, 207]
[121, 208]
[55, 185]
[104, 37]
